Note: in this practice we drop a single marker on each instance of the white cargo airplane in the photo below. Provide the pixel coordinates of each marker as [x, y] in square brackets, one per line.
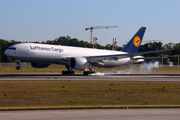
[42, 55]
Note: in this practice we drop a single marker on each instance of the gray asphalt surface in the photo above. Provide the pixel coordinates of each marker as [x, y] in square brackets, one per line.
[94, 114]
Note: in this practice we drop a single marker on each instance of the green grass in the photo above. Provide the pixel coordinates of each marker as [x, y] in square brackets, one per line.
[30, 70]
[90, 94]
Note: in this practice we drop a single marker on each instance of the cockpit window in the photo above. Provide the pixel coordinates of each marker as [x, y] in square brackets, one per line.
[12, 48]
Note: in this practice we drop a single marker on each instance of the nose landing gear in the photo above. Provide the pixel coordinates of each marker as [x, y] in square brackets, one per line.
[18, 67]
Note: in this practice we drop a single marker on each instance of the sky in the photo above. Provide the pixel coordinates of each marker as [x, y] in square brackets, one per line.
[42, 20]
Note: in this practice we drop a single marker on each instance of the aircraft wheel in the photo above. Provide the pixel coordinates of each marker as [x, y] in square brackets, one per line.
[67, 72]
[18, 67]
[64, 72]
[72, 72]
[85, 73]
[88, 72]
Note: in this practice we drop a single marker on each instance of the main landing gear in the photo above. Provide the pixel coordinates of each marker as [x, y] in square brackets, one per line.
[71, 72]
[88, 72]
[68, 72]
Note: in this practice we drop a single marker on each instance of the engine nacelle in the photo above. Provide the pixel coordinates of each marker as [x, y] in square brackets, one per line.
[39, 65]
[78, 63]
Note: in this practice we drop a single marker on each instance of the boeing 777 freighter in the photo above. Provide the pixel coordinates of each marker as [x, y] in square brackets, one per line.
[42, 55]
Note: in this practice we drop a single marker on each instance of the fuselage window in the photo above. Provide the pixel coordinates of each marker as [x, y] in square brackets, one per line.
[12, 48]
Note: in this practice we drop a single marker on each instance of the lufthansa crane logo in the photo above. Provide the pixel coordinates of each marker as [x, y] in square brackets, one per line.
[137, 41]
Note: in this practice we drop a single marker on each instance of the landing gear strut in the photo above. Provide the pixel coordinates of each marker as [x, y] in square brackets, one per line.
[18, 67]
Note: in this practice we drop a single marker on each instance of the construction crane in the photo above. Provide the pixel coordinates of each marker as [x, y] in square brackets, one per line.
[97, 27]
[153, 40]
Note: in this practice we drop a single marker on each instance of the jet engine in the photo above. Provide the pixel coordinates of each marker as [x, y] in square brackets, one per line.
[78, 63]
[39, 65]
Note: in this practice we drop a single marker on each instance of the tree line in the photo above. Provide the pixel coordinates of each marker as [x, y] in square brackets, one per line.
[66, 40]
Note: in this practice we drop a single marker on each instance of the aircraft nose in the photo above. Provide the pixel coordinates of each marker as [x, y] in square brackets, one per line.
[7, 52]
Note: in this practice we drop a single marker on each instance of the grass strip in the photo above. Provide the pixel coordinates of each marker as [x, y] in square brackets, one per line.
[87, 94]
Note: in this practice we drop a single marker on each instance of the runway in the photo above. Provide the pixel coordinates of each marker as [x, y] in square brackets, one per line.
[100, 77]
[94, 114]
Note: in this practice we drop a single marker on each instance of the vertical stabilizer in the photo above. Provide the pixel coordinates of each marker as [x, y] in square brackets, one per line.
[134, 44]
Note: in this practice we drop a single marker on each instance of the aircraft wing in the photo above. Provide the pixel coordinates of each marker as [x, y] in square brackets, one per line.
[119, 56]
[150, 58]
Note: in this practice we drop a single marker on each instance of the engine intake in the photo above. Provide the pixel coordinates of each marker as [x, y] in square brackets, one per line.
[78, 63]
